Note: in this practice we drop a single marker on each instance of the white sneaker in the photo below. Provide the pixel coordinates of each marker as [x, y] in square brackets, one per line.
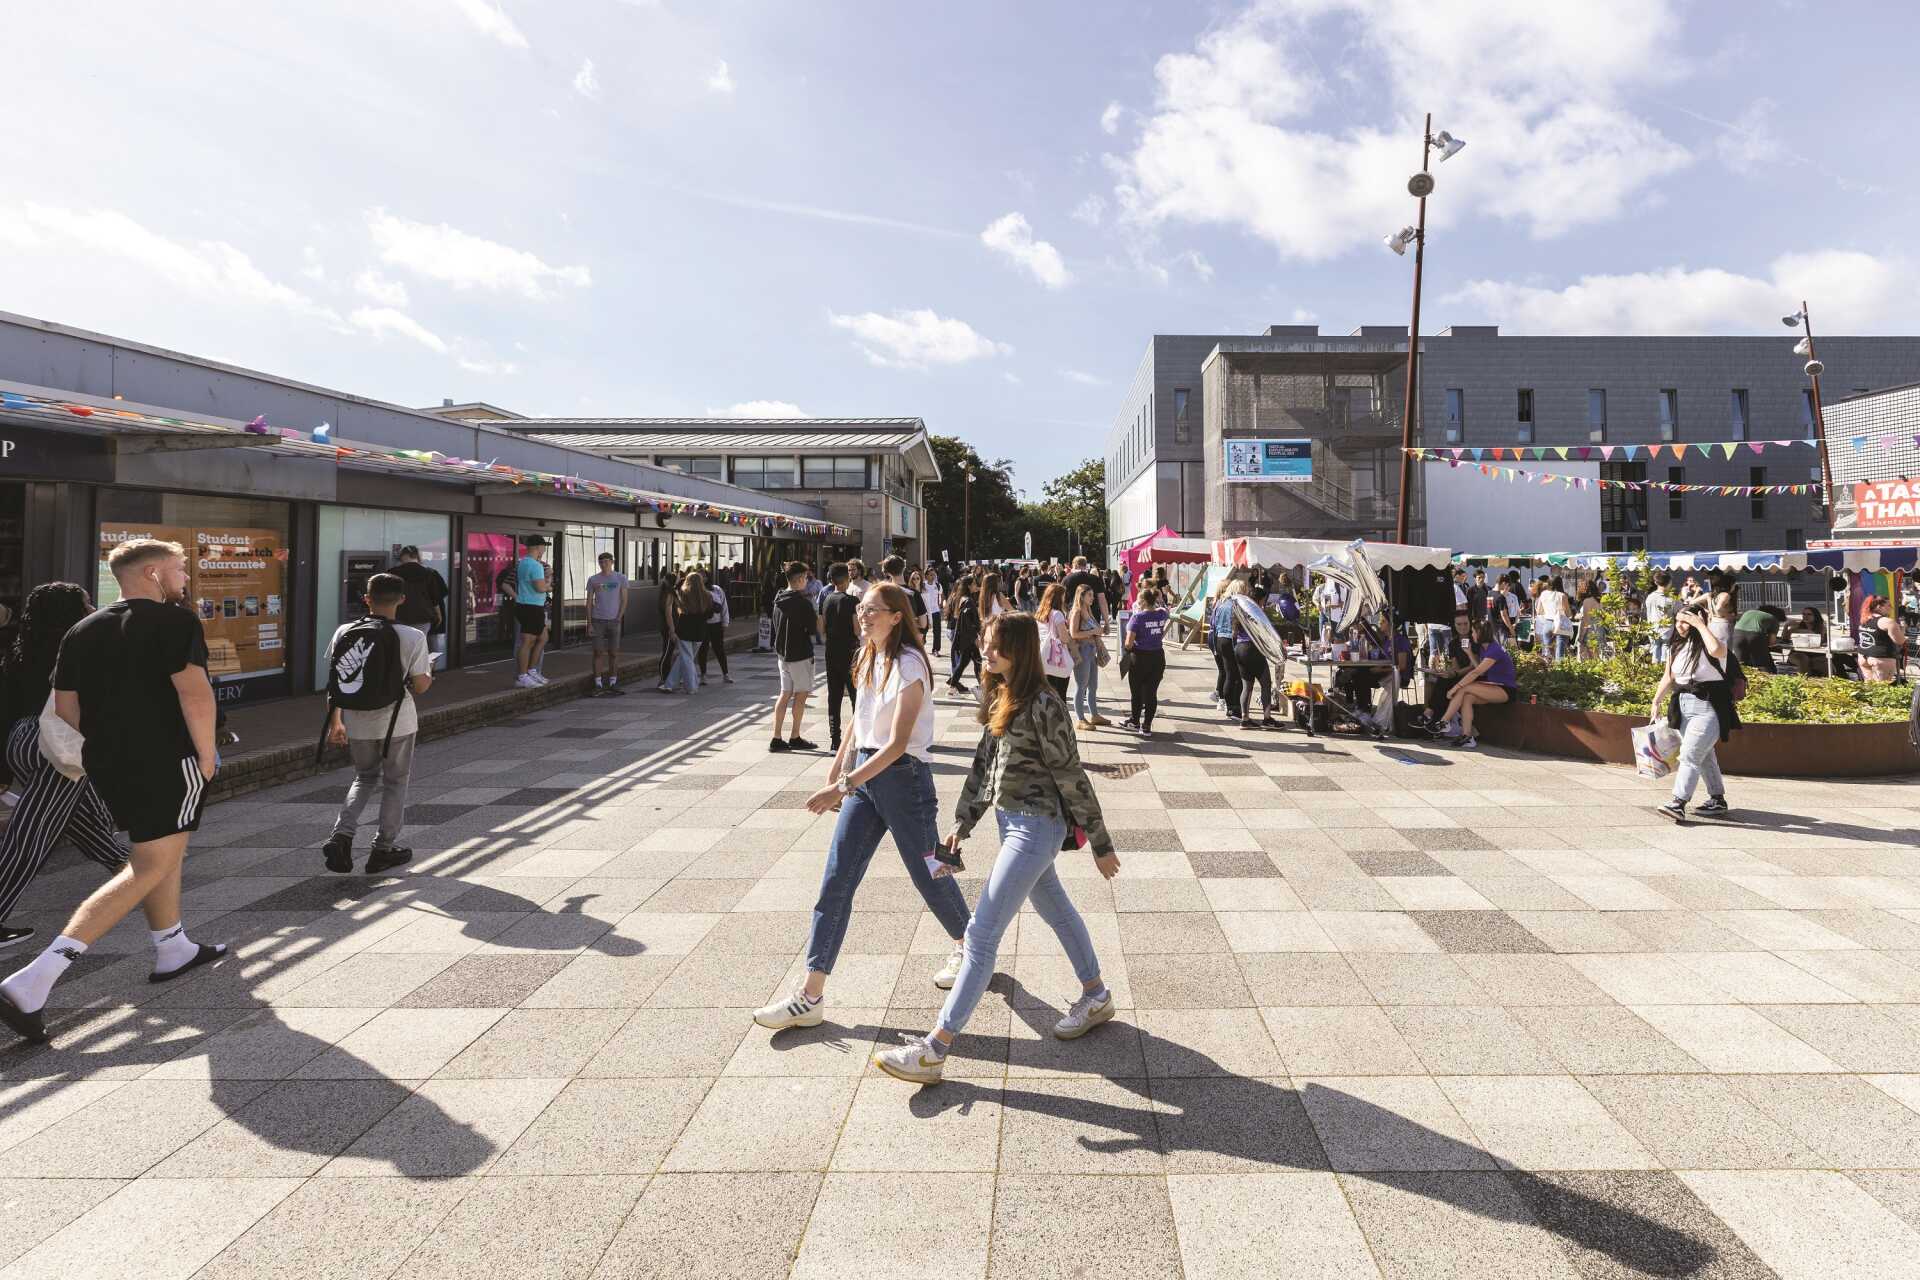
[1084, 1015]
[795, 1011]
[950, 971]
[538, 678]
[912, 1061]
[526, 681]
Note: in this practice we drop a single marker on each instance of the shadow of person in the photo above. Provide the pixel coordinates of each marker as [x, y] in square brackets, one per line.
[1193, 1112]
[1808, 825]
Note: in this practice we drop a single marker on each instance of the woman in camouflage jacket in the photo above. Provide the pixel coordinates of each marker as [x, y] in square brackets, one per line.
[1027, 770]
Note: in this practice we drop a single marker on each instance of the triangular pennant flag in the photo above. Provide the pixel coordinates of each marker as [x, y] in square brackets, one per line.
[1606, 451]
[1858, 442]
[1562, 451]
[1756, 445]
[1729, 448]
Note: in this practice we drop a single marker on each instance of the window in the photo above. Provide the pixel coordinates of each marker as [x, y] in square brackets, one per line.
[1757, 476]
[1597, 415]
[1733, 540]
[1182, 428]
[1806, 411]
[1622, 510]
[1523, 415]
[766, 473]
[1456, 414]
[1738, 408]
[1676, 503]
[706, 468]
[1669, 415]
[1796, 540]
[835, 473]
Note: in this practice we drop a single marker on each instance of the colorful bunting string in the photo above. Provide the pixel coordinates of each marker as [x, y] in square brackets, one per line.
[1512, 474]
[1621, 452]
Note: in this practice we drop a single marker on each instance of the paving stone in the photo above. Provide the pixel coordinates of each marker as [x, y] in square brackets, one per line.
[551, 1227]
[38, 1207]
[1478, 932]
[445, 1129]
[1037, 1224]
[1425, 1226]
[485, 982]
[1810, 1223]
[1542, 1122]
[1616, 1226]
[1603, 1040]
[713, 1226]
[1471, 1041]
[289, 1131]
[1267, 1226]
[756, 1124]
[1372, 1123]
[1388, 862]
[1187, 982]
[605, 1127]
[154, 1227]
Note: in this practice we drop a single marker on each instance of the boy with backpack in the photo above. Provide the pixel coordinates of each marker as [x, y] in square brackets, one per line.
[376, 667]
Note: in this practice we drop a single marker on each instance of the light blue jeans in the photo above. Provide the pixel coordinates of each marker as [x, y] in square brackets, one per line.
[1699, 734]
[1023, 871]
[685, 674]
[1086, 682]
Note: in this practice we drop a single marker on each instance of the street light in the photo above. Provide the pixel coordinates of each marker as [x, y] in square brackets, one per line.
[1420, 186]
[966, 519]
[1814, 368]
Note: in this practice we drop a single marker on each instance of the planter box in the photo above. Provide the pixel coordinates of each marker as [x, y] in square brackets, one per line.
[1755, 750]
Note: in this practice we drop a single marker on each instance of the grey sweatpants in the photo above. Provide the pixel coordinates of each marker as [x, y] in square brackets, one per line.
[389, 776]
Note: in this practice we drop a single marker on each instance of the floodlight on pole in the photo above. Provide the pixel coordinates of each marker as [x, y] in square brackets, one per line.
[1448, 144]
[1814, 368]
[1803, 348]
[1400, 239]
[1793, 321]
[1420, 186]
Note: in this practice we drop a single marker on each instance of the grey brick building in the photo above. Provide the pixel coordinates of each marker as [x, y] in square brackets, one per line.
[1477, 389]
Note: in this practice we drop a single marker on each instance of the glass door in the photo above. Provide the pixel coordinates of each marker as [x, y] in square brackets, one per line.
[487, 589]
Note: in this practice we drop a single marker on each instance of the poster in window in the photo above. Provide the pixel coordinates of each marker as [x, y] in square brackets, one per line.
[1269, 461]
[236, 582]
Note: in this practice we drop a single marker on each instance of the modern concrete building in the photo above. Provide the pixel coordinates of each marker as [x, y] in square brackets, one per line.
[865, 473]
[1874, 439]
[1192, 396]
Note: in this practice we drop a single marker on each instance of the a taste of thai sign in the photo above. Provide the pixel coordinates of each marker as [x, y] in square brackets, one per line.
[1886, 504]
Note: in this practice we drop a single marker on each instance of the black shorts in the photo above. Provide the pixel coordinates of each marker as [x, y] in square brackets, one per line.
[153, 801]
[531, 617]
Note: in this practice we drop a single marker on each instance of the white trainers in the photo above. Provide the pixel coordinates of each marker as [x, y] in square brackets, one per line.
[795, 1011]
[1084, 1015]
[950, 971]
[538, 678]
[526, 681]
[912, 1061]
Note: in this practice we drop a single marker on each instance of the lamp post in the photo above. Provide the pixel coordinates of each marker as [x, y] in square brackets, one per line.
[1814, 369]
[966, 520]
[1420, 185]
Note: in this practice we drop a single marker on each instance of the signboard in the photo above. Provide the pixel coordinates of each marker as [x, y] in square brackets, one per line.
[25, 451]
[902, 522]
[1886, 504]
[1268, 461]
[236, 582]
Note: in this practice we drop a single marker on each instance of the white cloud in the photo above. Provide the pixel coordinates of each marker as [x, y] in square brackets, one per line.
[1852, 292]
[488, 367]
[761, 409]
[313, 269]
[721, 81]
[464, 260]
[1235, 136]
[384, 290]
[1012, 236]
[205, 269]
[1012, 379]
[1194, 259]
[585, 82]
[1110, 118]
[491, 20]
[1303, 316]
[1082, 378]
[1092, 211]
[1749, 143]
[916, 339]
[384, 321]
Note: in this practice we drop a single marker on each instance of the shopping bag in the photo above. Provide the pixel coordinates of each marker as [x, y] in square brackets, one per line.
[1656, 747]
[60, 744]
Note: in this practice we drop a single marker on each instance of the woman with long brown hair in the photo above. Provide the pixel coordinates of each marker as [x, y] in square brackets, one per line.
[691, 606]
[1027, 771]
[1056, 638]
[881, 781]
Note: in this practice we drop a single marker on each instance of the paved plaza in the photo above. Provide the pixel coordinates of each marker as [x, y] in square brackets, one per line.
[1385, 1010]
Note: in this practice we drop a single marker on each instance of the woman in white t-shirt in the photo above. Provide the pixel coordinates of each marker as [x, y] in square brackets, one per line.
[1703, 709]
[1056, 637]
[933, 598]
[1553, 621]
[881, 781]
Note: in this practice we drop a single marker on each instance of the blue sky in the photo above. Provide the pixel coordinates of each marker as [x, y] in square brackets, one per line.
[972, 213]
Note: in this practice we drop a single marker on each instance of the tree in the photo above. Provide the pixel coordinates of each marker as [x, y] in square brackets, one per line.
[1077, 501]
[992, 513]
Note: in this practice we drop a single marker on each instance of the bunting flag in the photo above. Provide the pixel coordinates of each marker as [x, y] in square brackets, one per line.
[1594, 482]
[1630, 452]
[321, 436]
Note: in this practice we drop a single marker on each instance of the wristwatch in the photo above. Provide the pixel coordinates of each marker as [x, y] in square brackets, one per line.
[845, 784]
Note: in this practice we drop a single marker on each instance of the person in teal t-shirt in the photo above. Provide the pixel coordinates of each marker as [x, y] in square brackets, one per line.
[530, 588]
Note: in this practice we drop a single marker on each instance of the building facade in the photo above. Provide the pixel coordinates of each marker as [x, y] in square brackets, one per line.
[1873, 440]
[867, 474]
[1192, 396]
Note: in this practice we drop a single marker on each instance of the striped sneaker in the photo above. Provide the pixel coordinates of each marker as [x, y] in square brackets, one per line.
[795, 1011]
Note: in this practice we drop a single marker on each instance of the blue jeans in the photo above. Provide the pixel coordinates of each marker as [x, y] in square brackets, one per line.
[1699, 734]
[684, 674]
[1086, 682]
[899, 801]
[1023, 871]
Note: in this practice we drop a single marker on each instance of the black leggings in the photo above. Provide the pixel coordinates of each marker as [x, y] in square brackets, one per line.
[716, 642]
[1254, 669]
[1149, 665]
[1227, 675]
[1059, 684]
[965, 654]
[1439, 689]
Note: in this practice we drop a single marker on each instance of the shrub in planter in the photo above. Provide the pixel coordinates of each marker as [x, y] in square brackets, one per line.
[1625, 685]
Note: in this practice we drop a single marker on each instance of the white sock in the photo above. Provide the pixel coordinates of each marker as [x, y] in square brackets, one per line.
[172, 948]
[28, 989]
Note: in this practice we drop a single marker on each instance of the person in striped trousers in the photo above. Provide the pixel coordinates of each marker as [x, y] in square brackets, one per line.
[51, 805]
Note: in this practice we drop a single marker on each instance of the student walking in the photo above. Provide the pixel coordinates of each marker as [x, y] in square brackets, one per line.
[1220, 640]
[795, 624]
[530, 595]
[1084, 626]
[1145, 643]
[606, 606]
[857, 583]
[1702, 710]
[132, 678]
[52, 805]
[691, 604]
[966, 635]
[1027, 771]
[379, 739]
[714, 639]
[426, 603]
[1254, 669]
[840, 631]
[881, 781]
[933, 596]
[664, 598]
[1056, 640]
[1553, 622]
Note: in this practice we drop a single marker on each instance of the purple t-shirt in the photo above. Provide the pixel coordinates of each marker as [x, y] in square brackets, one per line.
[1148, 630]
[1501, 672]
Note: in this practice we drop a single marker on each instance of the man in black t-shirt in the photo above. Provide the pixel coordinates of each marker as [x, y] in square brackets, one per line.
[132, 678]
[1085, 577]
[795, 625]
[425, 607]
[842, 632]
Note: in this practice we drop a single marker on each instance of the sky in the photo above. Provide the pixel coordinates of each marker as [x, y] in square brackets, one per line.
[975, 214]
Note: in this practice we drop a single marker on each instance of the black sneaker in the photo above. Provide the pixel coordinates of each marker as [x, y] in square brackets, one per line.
[779, 744]
[1715, 807]
[594, 691]
[387, 859]
[339, 851]
[1673, 811]
[12, 933]
[1131, 726]
[834, 746]
[615, 691]
[801, 744]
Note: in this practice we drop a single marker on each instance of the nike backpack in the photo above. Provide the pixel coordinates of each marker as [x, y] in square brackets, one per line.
[365, 673]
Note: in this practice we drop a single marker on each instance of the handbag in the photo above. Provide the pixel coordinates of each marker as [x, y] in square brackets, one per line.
[1100, 644]
[1126, 662]
[60, 743]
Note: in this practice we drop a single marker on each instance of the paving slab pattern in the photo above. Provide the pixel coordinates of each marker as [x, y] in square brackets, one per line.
[1385, 1010]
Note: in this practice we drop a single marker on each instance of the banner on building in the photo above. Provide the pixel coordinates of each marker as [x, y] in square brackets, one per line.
[1886, 504]
[236, 582]
[1268, 461]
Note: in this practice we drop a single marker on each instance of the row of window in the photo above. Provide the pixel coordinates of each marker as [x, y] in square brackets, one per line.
[784, 472]
[1623, 512]
[1666, 414]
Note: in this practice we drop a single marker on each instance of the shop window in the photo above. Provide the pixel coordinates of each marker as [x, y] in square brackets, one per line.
[580, 548]
[692, 551]
[354, 543]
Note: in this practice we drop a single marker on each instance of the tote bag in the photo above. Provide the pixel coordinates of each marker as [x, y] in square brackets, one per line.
[61, 743]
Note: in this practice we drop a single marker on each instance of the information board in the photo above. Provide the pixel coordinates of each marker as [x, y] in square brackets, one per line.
[1268, 461]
